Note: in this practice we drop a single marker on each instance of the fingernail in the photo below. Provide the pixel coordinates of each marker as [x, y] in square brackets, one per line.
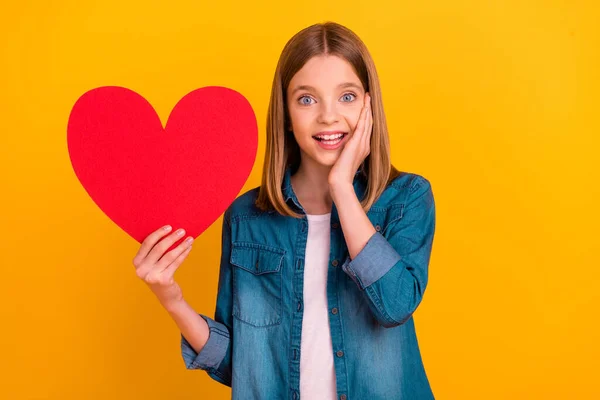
[167, 228]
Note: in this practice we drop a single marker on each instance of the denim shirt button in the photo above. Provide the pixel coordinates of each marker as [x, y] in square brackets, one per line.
[339, 353]
[299, 305]
[334, 263]
[343, 397]
[334, 310]
[335, 225]
[377, 228]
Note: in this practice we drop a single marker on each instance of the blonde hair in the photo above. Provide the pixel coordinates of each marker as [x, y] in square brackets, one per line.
[282, 150]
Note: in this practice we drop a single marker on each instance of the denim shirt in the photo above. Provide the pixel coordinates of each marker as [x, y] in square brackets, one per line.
[254, 340]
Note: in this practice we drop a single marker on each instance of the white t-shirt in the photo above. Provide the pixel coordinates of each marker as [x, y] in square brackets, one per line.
[317, 372]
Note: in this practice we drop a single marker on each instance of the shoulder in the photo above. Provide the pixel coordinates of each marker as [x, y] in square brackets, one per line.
[244, 206]
[409, 180]
[403, 189]
[411, 186]
[408, 194]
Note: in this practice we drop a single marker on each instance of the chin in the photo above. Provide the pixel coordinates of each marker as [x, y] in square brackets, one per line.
[323, 158]
[327, 160]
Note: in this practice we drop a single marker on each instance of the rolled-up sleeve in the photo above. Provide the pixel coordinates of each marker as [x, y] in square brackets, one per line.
[392, 269]
[213, 352]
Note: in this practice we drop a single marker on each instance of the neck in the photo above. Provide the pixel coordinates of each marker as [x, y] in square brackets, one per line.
[311, 186]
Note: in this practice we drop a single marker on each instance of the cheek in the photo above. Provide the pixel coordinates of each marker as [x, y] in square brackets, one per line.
[352, 119]
[300, 120]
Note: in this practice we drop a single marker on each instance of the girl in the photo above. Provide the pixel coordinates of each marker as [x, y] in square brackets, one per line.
[323, 265]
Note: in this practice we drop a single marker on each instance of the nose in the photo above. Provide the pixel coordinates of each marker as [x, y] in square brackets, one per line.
[328, 113]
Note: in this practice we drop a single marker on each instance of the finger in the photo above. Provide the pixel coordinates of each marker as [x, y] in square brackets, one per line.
[170, 270]
[367, 107]
[172, 255]
[367, 117]
[158, 250]
[360, 125]
[157, 267]
[368, 126]
[150, 241]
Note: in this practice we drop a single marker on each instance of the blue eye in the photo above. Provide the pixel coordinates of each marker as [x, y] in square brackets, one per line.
[303, 103]
[349, 94]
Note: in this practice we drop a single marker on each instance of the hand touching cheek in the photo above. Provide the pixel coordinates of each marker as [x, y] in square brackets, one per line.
[356, 150]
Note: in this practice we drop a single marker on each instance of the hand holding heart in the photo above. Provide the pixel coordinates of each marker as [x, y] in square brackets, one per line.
[156, 268]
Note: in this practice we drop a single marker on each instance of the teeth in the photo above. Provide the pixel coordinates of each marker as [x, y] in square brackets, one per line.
[330, 137]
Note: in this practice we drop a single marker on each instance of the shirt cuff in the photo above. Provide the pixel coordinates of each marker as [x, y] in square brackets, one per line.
[213, 351]
[372, 262]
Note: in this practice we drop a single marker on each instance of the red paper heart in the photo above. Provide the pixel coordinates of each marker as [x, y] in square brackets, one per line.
[143, 176]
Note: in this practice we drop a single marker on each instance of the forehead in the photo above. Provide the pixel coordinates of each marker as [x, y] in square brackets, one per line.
[324, 72]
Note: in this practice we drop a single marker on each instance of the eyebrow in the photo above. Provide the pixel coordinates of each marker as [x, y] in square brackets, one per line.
[341, 85]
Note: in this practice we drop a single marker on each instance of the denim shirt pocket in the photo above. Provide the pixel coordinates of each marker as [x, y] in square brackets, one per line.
[257, 285]
[383, 217]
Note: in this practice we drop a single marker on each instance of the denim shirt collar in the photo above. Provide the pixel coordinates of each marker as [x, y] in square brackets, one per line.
[359, 184]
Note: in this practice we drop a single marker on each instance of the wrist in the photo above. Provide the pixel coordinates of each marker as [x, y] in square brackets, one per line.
[175, 306]
[340, 189]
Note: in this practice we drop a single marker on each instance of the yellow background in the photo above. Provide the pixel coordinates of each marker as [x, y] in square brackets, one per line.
[495, 102]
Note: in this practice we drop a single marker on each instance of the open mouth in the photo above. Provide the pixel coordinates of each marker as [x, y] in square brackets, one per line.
[331, 140]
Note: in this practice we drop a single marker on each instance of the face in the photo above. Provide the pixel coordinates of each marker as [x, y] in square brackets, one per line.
[324, 100]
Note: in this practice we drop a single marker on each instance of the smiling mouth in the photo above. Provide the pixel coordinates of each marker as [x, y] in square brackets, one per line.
[330, 141]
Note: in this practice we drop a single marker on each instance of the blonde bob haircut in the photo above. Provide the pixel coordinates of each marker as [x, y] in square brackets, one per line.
[282, 150]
